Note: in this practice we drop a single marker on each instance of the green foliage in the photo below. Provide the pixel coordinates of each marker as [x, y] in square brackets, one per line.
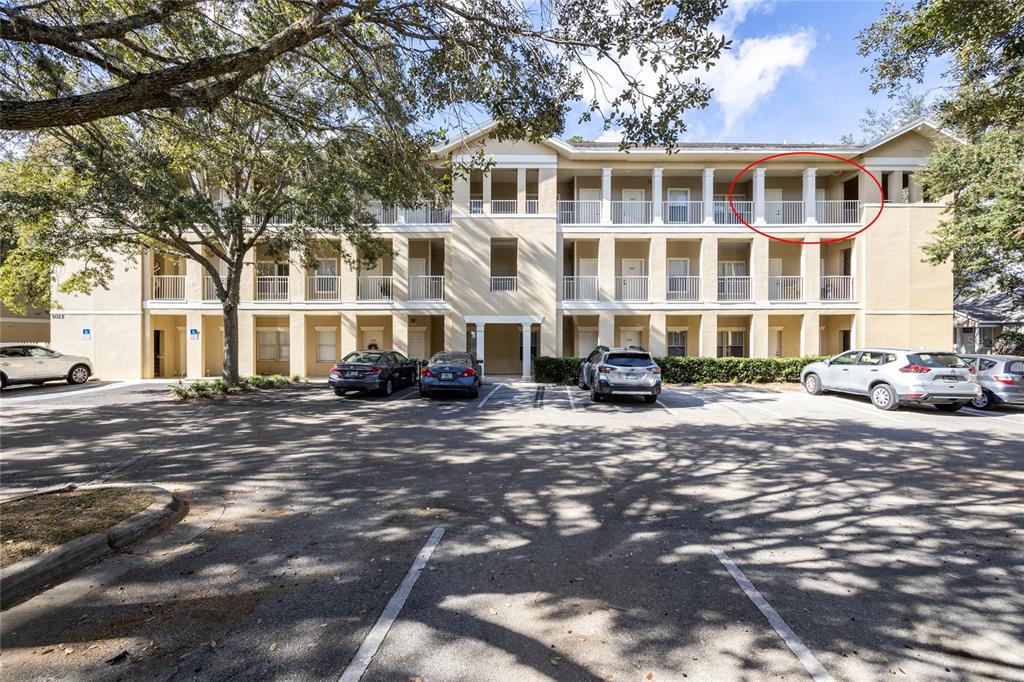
[296, 379]
[982, 43]
[180, 391]
[1010, 343]
[219, 387]
[983, 234]
[691, 370]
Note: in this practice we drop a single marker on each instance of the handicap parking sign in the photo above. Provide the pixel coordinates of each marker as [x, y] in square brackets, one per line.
[86, 334]
[193, 334]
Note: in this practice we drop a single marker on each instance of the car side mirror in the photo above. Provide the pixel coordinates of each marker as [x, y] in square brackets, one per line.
[828, 363]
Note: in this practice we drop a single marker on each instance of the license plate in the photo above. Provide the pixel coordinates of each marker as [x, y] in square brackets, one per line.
[447, 375]
[351, 374]
[633, 377]
[951, 379]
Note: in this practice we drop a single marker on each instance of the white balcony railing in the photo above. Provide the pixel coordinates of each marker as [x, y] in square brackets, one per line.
[682, 212]
[725, 216]
[631, 212]
[786, 288]
[169, 287]
[209, 290]
[836, 288]
[504, 283]
[373, 288]
[683, 288]
[580, 288]
[532, 206]
[426, 288]
[504, 206]
[837, 212]
[734, 288]
[272, 288]
[631, 288]
[323, 288]
[784, 212]
[579, 212]
[425, 214]
[476, 206]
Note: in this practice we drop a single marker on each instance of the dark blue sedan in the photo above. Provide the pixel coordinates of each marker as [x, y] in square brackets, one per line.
[450, 371]
[379, 371]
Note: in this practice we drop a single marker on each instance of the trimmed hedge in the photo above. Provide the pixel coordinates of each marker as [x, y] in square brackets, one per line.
[691, 370]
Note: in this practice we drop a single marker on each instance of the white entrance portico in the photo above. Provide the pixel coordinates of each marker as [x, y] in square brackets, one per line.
[525, 322]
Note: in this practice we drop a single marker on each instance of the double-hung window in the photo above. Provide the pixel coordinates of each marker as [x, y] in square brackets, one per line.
[677, 343]
[272, 345]
[731, 343]
[326, 344]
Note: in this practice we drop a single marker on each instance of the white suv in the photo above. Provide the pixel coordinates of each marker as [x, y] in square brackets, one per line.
[893, 377]
[26, 363]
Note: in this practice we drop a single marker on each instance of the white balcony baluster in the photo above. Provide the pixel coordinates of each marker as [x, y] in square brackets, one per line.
[683, 288]
[374, 288]
[209, 290]
[504, 206]
[837, 212]
[504, 283]
[786, 288]
[169, 287]
[631, 288]
[579, 212]
[426, 288]
[683, 212]
[837, 288]
[631, 212]
[272, 288]
[725, 216]
[734, 288]
[476, 206]
[783, 212]
[580, 288]
[323, 288]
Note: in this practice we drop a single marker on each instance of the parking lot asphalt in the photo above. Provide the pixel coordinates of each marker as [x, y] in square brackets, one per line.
[581, 540]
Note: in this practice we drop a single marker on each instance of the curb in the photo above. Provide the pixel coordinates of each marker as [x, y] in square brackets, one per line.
[23, 579]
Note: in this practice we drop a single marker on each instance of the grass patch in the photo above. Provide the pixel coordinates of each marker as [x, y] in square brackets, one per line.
[41, 522]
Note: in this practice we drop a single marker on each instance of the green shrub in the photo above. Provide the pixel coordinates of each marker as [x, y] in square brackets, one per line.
[296, 379]
[220, 386]
[691, 370]
[276, 380]
[201, 389]
[180, 391]
[550, 370]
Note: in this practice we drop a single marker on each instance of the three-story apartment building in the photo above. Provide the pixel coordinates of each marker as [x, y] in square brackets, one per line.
[559, 247]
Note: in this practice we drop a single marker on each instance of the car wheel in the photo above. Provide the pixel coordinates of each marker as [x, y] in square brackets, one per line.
[884, 397]
[79, 374]
[339, 392]
[475, 391]
[3, 380]
[424, 393]
[389, 388]
[595, 396]
[812, 384]
[949, 407]
[983, 401]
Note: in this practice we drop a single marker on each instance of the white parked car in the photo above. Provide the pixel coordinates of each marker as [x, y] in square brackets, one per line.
[892, 377]
[27, 363]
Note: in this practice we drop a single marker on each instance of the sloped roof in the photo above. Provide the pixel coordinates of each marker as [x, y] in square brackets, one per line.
[996, 307]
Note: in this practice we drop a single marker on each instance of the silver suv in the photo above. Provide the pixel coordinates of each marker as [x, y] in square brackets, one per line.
[624, 371]
[1001, 378]
[892, 377]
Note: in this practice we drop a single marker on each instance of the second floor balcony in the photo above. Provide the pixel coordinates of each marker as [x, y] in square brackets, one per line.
[271, 288]
[734, 288]
[786, 288]
[789, 212]
[580, 288]
[374, 288]
[169, 287]
[631, 288]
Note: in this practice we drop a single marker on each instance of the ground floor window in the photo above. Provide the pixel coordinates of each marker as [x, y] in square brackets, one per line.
[272, 345]
[326, 345]
[677, 343]
[731, 344]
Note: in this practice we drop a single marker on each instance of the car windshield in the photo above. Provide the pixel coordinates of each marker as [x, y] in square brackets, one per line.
[451, 359]
[628, 360]
[939, 360]
[369, 358]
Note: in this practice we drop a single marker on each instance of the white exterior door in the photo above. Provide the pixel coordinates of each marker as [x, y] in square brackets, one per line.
[418, 285]
[775, 343]
[630, 337]
[634, 209]
[371, 339]
[632, 267]
[418, 344]
[586, 289]
[772, 207]
[678, 209]
[586, 341]
[589, 194]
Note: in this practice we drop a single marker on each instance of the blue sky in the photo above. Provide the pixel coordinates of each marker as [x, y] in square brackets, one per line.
[793, 73]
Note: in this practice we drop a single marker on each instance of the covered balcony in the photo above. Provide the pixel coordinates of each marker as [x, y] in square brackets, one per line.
[323, 281]
[504, 264]
[580, 268]
[632, 265]
[682, 270]
[426, 270]
[271, 276]
[373, 280]
[785, 281]
[504, 191]
[734, 271]
[837, 282]
[168, 281]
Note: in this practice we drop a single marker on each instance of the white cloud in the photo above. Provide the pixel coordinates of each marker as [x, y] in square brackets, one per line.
[613, 135]
[736, 13]
[753, 69]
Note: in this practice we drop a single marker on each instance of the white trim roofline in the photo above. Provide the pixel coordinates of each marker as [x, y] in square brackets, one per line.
[913, 125]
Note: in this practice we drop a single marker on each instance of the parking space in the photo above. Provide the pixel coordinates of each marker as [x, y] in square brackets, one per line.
[724, 532]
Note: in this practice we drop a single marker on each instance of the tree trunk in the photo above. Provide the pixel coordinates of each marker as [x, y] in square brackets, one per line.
[230, 372]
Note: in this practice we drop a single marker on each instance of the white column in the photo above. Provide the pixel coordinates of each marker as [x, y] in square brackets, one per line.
[810, 198]
[656, 196]
[487, 192]
[707, 193]
[759, 196]
[895, 187]
[606, 196]
[977, 337]
[521, 191]
[480, 348]
[526, 350]
[914, 189]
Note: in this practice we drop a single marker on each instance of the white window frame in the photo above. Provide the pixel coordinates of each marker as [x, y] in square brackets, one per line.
[685, 338]
[282, 350]
[333, 356]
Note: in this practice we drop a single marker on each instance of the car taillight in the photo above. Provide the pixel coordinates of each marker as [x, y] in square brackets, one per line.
[1004, 379]
[470, 372]
[655, 370]
[425, 372]
[604, 369]
[914, 369]
[374, 370]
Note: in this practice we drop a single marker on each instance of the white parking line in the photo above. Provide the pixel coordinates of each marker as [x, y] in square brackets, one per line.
[362, 659]
[488, 396]
[667, 408]
[572, 401]
[807, 659]
[756, 408]
[53, 395]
